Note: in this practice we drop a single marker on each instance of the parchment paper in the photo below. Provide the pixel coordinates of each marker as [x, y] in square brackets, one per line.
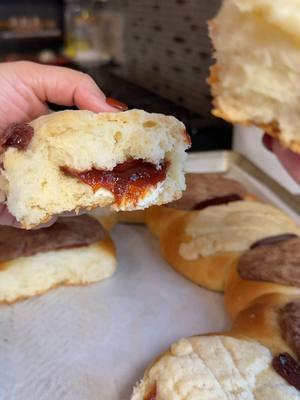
[94, 342]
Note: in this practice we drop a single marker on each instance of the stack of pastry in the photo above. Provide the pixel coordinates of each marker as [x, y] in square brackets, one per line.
[250, 251]
[223, 239]
[244, 248]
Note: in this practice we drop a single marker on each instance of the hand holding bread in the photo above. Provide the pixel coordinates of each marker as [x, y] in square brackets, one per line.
[36, 85]
[67, 161]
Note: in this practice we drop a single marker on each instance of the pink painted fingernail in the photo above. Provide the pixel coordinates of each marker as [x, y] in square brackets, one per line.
[116, 104]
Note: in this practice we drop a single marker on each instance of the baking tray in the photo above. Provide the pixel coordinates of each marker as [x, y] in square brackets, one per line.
[94, 342]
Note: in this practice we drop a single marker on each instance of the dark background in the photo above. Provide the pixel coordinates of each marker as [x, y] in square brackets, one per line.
[165, 63]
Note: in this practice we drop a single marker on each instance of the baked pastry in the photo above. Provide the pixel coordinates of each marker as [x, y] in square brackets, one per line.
[202, 190]
[77, 159]
[274, 321]
[258, 357]
[256, 76]
[73, 251]
[204, 245]
[215, 367]
[270, 266]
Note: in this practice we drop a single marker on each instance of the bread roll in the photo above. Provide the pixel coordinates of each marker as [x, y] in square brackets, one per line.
[74, 251]
[77, 159]
[209, 271]
[215, 367]
[263, 270]
[204, 245]
[30, 276]
[260, 321]
[256, 76]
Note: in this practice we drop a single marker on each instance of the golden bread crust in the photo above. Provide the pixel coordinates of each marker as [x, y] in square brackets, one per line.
[106, 254]
[260, 321]
[240, 293]
[210, 272]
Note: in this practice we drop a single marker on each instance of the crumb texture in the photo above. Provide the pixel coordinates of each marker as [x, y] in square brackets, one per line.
[256, 76]
[36, 188]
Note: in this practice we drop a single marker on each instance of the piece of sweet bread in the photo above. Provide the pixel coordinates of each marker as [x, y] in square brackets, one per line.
[72, 160]
[205, 245]
[255, 79]
[270, 266]
[73, 251]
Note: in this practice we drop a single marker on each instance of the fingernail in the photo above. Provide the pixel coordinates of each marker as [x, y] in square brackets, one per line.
[267, 141]
[116, 103]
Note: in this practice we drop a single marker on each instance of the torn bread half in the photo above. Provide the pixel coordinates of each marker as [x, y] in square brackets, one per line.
[71, 160]
[256, 76]
[73, 251]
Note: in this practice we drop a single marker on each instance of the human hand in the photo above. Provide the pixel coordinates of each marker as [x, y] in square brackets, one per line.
[25, 87]
[289, 159]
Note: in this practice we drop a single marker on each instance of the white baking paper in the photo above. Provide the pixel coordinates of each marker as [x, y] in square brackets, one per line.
[94, 342]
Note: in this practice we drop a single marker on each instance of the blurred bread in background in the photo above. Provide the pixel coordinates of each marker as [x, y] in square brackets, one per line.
[256, 78]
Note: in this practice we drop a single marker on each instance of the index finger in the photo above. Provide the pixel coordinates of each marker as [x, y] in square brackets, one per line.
[65, 86]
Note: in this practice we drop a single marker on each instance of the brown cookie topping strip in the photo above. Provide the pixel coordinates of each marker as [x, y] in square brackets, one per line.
[216, 201]
[269, 241]
[288, 369]
[152, 395]
[129, 180]
[289, 321]
[17, 135]
[66, 233]
[281, 265]
[202, 188]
